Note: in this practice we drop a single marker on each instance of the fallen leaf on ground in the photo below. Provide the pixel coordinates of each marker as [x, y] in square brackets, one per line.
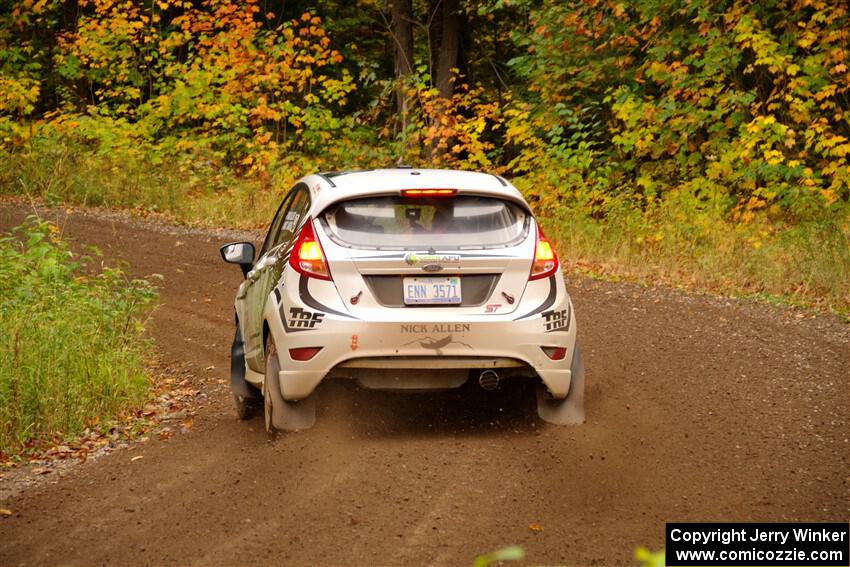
[535, 527]
[40, 470]
[5, 512]
[137, 457]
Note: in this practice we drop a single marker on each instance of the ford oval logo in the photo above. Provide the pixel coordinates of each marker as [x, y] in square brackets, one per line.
[432, 268]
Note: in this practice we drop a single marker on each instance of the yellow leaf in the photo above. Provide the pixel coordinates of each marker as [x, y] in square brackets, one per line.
[829, 195]
[826, 92]
[842, 150]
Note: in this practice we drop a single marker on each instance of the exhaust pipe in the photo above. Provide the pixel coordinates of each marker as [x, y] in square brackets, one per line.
[488, 380]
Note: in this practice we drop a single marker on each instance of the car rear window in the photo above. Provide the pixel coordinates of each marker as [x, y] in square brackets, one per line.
[396, 222]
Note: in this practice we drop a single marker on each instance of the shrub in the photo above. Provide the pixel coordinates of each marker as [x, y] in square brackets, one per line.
[72, 349]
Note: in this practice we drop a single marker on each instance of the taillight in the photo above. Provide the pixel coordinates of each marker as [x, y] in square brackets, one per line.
[307, 256]
[555, 353]
[428, 192]
[304, 353]
[545, 259]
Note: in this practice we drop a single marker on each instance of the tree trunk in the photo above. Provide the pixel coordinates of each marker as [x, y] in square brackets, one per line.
[449, 47]
[402, 31]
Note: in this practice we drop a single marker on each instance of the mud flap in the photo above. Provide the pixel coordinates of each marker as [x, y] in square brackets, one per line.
[570, 410]
[238, 385]
[281, 414]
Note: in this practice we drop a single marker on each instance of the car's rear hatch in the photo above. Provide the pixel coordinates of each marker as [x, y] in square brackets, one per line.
[442, 256]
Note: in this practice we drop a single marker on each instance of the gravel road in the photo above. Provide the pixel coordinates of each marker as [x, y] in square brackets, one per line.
[699, 409]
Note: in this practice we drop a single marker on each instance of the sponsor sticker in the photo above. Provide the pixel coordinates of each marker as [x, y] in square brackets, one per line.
[435, 328]
[555, 320]
[437, 343]
[303, 319]
[413, 259]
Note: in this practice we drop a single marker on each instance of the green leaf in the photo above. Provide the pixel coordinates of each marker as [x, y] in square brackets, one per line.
[511, 553]
[650, 559]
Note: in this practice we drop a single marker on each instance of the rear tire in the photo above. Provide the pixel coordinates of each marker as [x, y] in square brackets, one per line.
[246, 408]
[245, 397]
[282, 414]
[570, 410]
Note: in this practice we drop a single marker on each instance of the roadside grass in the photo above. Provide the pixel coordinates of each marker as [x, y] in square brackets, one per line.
[72, 350]
[680, 241]
[190, 190]
[805, 264]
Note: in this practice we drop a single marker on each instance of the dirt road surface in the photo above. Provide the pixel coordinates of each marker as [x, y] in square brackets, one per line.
[699, 409]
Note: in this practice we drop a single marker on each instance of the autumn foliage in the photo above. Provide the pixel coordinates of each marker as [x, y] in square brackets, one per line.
[643, 123]
[217, 75]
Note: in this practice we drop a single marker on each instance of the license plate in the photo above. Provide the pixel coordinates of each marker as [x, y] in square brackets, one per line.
[432, 291]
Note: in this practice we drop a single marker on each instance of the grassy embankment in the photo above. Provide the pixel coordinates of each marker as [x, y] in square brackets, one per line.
[681, 242]
[72, 351]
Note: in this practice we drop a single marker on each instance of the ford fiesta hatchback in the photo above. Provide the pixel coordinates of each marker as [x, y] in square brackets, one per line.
[401, 279]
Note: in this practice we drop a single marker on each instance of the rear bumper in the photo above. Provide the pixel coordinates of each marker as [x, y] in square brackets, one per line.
[426, 343]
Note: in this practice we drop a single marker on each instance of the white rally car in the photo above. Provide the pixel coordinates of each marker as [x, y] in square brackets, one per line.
[401, 279]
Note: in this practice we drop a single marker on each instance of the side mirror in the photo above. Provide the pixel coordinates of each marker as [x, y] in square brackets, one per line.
[241, 253]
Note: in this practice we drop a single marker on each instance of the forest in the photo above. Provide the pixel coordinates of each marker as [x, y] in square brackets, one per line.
[700, 143]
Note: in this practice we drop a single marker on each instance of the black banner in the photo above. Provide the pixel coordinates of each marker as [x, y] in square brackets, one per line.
[759, 545]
